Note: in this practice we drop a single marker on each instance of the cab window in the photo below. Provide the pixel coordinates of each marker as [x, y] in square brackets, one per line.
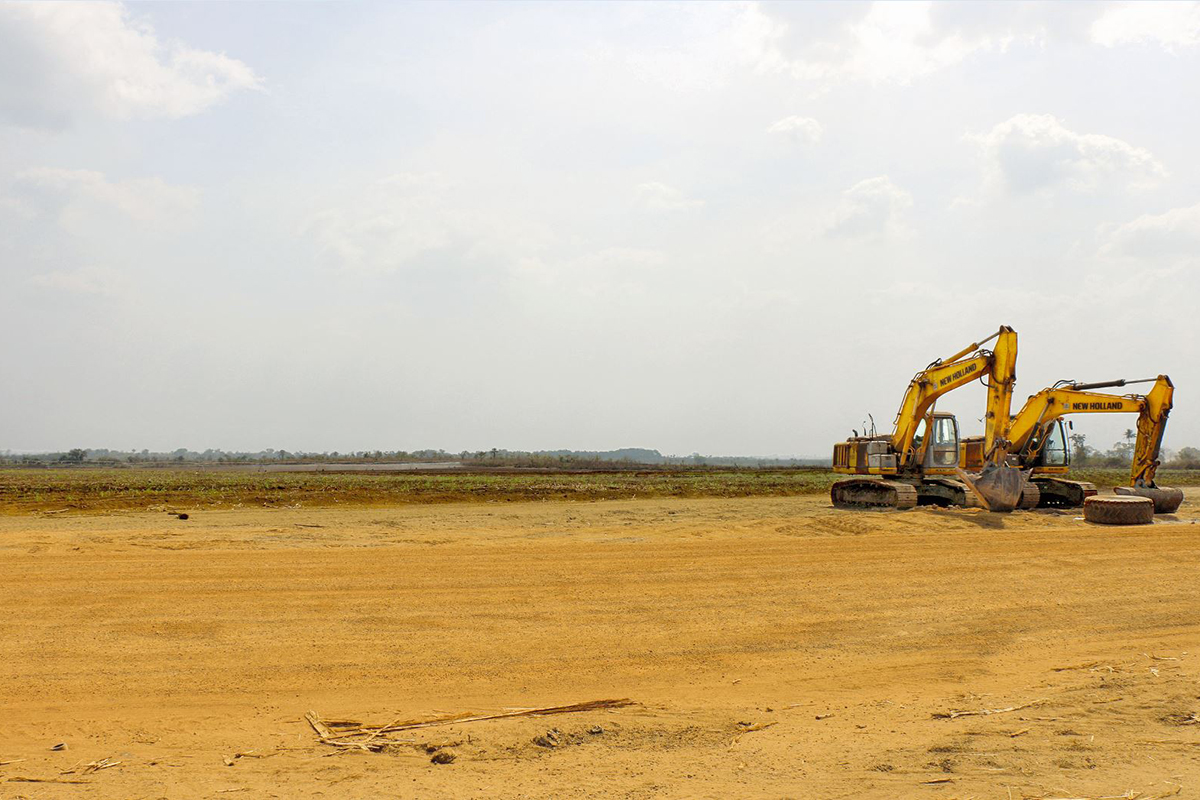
[1054, 451]
[945, 442]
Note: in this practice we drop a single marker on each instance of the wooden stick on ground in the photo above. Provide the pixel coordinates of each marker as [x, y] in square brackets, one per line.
[984, 712]
[90, 767]
[352, 739]
[22, 779]
[321, 728]
[593, 705]
[329, 737]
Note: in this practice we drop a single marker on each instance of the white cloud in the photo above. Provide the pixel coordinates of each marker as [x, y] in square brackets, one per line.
[894, 43]
[871, 209]
[756, 37]
[85, 280]
[655, 196]
[81, 232]
[611, 258]
[419, 220]
[389, 224]
[1168, 24]
[801, 129]
[1157, 236]
[702, 45]
[696, 45]
[81, 198]
[615, 272]
[61, 60]
[1032, 152]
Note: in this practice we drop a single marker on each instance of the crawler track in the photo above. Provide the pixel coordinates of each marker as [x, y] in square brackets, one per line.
[873, 493]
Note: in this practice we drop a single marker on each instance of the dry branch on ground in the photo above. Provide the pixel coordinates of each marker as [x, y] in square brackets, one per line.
[985, 712]
[371, 738]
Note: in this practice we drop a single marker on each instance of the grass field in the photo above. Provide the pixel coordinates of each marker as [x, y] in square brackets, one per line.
[100, 489]
[31, 490]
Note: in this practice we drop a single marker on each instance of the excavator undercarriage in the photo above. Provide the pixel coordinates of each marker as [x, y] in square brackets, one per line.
[873, 493]
[1062, 493]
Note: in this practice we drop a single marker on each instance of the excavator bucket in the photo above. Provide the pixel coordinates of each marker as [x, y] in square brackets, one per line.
[1166, 500]
[998, 487]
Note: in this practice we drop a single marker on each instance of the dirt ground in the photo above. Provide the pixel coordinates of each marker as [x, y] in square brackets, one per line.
[774, 648]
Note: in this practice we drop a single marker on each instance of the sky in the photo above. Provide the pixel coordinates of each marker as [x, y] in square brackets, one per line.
[715, 228]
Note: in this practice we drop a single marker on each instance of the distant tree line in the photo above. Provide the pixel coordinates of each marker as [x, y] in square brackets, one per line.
[630, 456]
[1121, 453]
[182, 455]
[494, 457]
[1083, 454]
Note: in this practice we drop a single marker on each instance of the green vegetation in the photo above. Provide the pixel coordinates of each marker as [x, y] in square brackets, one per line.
[625, 458]
[103, 489]
[1105, 477]
[91, 490]
[1083, 455]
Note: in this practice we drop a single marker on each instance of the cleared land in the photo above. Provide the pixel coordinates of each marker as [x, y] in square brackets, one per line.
[776, 647]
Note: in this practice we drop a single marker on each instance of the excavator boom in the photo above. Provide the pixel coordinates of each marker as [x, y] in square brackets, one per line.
[924, 390]
[999, 485]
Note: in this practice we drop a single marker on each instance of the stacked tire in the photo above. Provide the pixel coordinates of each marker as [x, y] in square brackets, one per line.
[1118, 510]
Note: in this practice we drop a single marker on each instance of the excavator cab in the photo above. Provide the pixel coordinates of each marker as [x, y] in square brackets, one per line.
[941, 453]
[1052, 453]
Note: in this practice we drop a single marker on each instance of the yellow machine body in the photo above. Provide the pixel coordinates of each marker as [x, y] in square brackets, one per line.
[919, 432]
[1031, 428]
[1038, 441]
[924, 445]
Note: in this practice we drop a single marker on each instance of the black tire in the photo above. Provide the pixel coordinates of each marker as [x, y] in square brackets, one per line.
[1118, 510]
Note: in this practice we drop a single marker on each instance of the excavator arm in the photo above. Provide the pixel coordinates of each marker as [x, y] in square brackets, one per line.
[923, 392]
[1152, 423]
[946, 375]
[1030, 423]
[998, 486]
[1000, 391]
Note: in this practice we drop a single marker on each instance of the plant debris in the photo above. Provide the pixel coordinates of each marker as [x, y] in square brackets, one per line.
[23, 779]
[357, 736]
[90, 767]
[548, 739]
[984, 712]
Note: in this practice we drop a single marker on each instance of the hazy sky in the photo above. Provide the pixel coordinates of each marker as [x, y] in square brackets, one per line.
[718, 228]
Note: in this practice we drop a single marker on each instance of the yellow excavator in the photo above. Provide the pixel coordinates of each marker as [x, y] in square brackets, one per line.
[1036, 439]
[915, 464]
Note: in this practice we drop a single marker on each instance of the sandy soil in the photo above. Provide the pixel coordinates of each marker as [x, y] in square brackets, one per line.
[776, 648]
